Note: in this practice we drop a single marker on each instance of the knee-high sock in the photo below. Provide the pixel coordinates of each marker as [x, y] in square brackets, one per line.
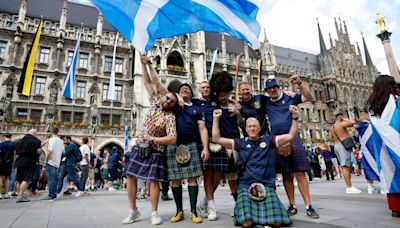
[177, 192]
[193, 192]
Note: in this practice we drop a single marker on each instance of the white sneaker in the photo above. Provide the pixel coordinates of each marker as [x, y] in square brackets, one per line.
[203, 212]
[353, 190]
[59, 195]
[79, 194]
[111, 189]
[132, 217]
[212, 214]
[155, 219]
[372, 190]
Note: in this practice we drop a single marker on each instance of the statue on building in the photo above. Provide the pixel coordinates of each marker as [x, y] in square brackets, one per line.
[94, 113]
[380, 21]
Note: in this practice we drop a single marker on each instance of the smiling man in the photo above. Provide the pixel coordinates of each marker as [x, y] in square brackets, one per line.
[291, 160]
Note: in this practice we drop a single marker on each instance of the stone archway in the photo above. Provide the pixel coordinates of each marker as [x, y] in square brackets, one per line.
[109, 144]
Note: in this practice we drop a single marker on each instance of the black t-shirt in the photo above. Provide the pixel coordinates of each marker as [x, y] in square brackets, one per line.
[26, 150]
[7, 149]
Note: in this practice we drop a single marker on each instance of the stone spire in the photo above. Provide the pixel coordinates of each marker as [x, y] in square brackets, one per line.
[368, 60]
[22, 13]
[265, 36]
[337, 29]
[322, 46]
[330, 40]
[63, 20]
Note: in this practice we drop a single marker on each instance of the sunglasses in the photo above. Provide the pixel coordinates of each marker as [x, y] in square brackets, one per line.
[172, 101]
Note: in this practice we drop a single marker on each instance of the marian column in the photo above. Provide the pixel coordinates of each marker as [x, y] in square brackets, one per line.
[385, 38]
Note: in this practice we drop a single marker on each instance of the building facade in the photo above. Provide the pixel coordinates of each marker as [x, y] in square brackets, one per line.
[338, 78]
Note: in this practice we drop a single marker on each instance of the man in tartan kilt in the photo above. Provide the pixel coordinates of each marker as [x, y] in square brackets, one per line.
[219, 161]
[160, 131]
[190, 127]
[256, 153]
[296, 163]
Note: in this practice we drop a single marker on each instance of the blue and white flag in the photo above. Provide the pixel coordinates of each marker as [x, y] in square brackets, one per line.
[126, 142]
[111, 86]
[141, 22]
[214, 58]
[363, 135]
[68, 90]
[386, 135]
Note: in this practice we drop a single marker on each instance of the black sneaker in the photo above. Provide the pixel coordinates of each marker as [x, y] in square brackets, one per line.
[312, 213]
[165, 198]
[291, 210]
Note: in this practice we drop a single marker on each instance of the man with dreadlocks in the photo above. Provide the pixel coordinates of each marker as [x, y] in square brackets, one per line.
[221, 160]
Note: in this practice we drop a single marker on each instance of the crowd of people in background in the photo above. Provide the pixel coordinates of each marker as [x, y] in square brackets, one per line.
[58, 164]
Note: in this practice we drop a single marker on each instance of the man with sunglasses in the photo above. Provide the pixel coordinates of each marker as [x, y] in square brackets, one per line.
[160, 131]
[295, 164]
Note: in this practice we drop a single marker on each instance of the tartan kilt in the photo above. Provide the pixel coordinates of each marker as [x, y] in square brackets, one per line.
[148, 169]
[267, 212]
[217, 161]
[296, 162]
[192, 169]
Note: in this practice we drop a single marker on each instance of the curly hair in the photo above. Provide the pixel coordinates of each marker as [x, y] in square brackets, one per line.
[382, 89]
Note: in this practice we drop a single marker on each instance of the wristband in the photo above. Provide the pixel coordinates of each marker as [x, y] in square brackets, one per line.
[299, 83]
[152, 140]
[295, 118]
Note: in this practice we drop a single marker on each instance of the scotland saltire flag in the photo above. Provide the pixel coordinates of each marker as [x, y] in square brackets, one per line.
[68, 90]
[141, 22]
[363, 135]
[386, 136]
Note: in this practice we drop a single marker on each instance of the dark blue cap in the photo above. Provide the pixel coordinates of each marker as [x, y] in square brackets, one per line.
[271, 83]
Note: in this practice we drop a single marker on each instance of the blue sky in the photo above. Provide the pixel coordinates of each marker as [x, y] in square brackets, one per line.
[292, 24]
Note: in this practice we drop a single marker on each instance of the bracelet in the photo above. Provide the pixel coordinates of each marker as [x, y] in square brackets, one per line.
[152, 140]
[295, 118]
[299, 83]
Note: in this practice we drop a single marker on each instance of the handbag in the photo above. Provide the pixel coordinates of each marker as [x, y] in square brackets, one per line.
[144, 151]
[285, 150]
[182, 154]
[348, 143]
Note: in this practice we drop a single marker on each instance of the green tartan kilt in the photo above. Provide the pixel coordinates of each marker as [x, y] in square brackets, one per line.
[267, 212]
[178, 171]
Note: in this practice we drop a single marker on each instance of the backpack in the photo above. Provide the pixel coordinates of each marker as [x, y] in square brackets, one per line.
[78, 155]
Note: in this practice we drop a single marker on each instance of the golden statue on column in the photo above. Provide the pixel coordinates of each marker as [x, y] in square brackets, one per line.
[380, 21]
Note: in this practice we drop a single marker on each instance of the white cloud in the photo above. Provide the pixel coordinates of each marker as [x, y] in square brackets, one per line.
[292, 24]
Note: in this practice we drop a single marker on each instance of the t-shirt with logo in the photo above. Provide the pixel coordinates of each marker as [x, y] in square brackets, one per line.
[255, 107]
[56, 145]
[261, 165]
[187, 120]
[279, 115]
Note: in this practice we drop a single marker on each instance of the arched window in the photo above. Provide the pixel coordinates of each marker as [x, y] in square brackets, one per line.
[175, 59]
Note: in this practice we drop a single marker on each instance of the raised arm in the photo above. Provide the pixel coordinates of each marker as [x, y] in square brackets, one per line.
[304, 89]
[347, 123]
[216, 136]
[156, 81]
[146, 77]
[286, 138]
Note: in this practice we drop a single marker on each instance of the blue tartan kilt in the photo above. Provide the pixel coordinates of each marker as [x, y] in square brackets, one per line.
[296, 162]
[217, 162]
[192, 169]
[148, 169]
[267, 212]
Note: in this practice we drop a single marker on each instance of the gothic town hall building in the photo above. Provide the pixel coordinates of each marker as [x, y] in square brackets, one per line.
[339, 79]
